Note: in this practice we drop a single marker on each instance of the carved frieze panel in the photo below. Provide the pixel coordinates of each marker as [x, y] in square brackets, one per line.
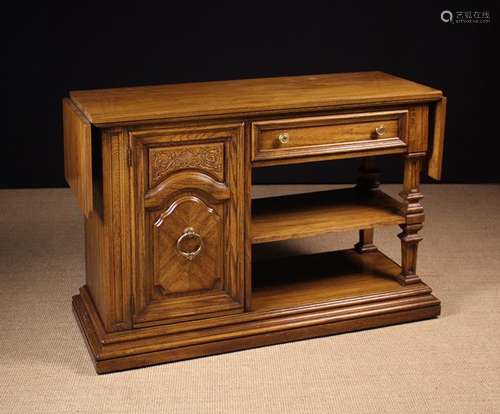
[207, 157]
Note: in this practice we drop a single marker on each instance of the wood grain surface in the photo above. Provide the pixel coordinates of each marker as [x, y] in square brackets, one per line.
[436, 160]
[247, 96]
[78, 155]
[288, 217]
[301, 280]
[199, 189]
[328, 134]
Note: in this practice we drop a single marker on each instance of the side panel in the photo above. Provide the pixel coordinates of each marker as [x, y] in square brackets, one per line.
[436, 159]
[78, 155]
[107, 232]
[418, 129]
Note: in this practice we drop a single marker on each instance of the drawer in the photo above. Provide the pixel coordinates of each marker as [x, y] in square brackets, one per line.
[300, 137]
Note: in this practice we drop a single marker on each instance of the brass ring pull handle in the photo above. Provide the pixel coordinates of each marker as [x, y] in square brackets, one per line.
[380, 130]
[189, 233]
[283, 138]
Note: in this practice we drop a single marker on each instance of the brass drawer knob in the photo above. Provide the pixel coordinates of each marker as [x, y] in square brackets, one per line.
[380, 130]
[189, 233]
[283, 138]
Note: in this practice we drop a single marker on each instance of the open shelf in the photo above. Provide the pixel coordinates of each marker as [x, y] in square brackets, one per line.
[311, 214]
[292, 282]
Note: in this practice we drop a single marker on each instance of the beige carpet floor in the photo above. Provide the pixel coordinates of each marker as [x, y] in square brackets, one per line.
[446, 365]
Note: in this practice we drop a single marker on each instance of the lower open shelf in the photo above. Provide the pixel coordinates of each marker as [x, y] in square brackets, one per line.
[292, 282]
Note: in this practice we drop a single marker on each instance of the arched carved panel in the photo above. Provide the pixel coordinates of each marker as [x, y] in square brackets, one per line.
[186, 180]
[187, 248]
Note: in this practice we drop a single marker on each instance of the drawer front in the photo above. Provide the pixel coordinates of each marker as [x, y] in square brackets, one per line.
[298, 137]
[187, 227]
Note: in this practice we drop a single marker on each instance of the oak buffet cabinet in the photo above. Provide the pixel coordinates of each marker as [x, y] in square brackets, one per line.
[163, 176]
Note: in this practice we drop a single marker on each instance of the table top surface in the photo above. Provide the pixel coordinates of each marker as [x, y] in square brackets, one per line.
[247, 97]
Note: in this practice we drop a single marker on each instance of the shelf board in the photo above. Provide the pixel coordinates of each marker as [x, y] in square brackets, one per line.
[311, 214]
[297, 281]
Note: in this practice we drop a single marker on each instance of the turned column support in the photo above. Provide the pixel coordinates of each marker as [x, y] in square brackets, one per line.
[368, 180]
[413, 212]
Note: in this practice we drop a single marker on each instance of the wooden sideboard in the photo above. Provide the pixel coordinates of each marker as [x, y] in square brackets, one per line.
[163, 175]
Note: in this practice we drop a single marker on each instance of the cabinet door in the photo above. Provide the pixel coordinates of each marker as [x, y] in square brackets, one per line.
[188, 223]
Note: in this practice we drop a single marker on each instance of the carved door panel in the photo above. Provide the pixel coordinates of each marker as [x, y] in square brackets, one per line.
[195, 264]
[188, 231]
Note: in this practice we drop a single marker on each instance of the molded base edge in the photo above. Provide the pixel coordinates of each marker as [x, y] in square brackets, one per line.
[353, 318]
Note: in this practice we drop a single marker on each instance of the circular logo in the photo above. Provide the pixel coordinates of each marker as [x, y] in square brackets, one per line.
[447, 16]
